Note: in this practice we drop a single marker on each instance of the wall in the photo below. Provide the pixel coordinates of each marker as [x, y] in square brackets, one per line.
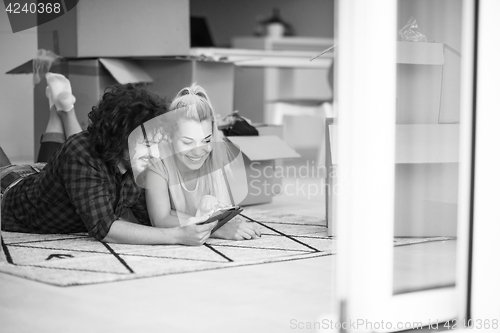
[16, 92]
[229, 18]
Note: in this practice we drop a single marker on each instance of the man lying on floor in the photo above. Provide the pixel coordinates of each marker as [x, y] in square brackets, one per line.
[87, 184]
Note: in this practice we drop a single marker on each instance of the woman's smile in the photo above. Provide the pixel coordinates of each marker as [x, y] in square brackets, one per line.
[195, 159]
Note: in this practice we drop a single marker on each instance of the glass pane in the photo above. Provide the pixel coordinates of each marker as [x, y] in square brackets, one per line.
[427, 133]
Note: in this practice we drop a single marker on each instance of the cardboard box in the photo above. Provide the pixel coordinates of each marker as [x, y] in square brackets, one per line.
[331, 178]
[89, 78]
[119, 28]
[419, 82]
[170, 75]
[259, 155]
[276, 130]
[265, 129]
[165, 76]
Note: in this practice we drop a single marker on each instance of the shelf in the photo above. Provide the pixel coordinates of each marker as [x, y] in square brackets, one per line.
[313, 44]
[265, 58]
[248, 56]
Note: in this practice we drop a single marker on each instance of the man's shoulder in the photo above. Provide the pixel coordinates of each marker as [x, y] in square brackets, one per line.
[77, 146]
[78, 143]
[79, 139]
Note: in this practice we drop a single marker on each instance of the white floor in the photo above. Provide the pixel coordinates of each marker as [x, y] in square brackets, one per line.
[275, 297]
[263, 298]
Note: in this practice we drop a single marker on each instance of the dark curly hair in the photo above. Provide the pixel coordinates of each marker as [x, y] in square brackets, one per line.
[121, 109]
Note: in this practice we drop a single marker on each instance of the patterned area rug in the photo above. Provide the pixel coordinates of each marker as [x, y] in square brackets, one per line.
[76, 259]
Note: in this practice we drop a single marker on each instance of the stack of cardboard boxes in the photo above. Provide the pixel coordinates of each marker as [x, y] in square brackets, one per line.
[106, 42]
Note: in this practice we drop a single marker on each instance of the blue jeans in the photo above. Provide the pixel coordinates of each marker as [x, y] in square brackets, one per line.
[11, 175]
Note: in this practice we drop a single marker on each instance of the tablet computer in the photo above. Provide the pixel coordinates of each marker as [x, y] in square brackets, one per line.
[223, 215]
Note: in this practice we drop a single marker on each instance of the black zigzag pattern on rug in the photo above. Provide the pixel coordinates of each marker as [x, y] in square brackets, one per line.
[76, 259]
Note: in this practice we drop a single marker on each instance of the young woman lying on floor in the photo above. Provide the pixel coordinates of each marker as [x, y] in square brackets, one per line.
[190, 179]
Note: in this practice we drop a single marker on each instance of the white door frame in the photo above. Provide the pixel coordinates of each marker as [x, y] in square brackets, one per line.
[485, 271]
[366, 171]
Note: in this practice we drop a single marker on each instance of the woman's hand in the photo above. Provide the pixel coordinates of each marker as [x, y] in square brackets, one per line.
[195, 234]
[238, 230]
[208, 204]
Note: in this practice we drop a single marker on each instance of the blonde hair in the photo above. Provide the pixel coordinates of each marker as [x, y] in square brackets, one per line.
[193, 103]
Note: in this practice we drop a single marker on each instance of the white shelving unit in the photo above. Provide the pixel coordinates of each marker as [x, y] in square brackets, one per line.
[301, 79]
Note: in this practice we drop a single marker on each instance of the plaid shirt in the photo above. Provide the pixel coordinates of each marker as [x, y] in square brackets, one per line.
[75, 192]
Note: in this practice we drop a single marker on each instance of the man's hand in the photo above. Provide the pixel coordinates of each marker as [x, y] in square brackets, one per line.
[238, 230]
